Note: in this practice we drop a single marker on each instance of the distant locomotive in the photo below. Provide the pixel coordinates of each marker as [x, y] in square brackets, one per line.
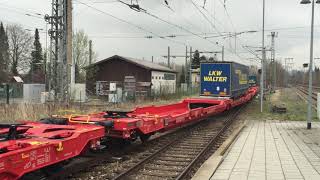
[253, 80]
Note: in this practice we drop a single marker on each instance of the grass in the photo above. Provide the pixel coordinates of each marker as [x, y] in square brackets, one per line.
[23, 111]
[296, 108]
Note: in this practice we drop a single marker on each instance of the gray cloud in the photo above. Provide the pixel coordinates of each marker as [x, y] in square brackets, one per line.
[245, 15]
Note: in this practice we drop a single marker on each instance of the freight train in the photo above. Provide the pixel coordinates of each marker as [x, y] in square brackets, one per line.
[31, 146]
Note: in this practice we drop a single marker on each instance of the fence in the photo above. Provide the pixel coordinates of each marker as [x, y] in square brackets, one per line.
[27, 111]
[116, 91]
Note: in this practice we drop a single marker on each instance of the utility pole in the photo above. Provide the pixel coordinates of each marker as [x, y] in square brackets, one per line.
[90, 52]
[262, 61]
[8, 93]
[222, 53]
[186, 66]
[273, 57]
[68, 35]
[152, 59]
[190, 69]
[168, 56]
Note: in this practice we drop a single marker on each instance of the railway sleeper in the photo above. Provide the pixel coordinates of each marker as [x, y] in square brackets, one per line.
[175, 156]
[201, 136]
[175, 160]
[194, 143]
[179, 151]
[165, 175]
[164, 168]
[187, 147]
[169, 163]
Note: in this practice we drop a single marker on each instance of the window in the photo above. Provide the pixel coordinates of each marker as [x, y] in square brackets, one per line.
[168, 76]
[152, 77]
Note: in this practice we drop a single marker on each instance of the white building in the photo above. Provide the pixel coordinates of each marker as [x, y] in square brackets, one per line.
[195, 77]
[163, 82]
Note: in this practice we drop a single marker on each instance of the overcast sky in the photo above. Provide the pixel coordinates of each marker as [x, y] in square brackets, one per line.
[113, 36]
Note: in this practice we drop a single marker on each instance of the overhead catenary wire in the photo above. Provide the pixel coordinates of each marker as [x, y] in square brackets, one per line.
[22, 13]
[205, 34]
[21, 10]
[100, 2]
[205, 17]
[177, 26]
[228, 15]
[213, 27]
[132, 24]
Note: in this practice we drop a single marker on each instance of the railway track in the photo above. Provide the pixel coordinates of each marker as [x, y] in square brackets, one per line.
[178, 158]
[303, 93]
[304, 90]
[191, 143]
[117, 155]
[116, 160]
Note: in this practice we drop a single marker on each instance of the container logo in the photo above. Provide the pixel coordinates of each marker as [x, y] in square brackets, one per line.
[215, 76]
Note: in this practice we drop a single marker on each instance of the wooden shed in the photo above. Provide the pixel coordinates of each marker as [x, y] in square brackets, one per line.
[117, 68]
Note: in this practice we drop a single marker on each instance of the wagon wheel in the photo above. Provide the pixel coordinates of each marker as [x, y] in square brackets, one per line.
[145, 137]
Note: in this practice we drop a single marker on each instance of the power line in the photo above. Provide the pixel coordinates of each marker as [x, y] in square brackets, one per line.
[205, 17]
[173, 24]
[178, 26]
[227, 13]
[205, 34]
[232, 52]
[101, 2]
[132, 24]
[22, 13]
[213, 17]
[35, 13]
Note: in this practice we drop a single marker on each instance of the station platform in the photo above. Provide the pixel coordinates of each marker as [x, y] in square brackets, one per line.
[270, 150]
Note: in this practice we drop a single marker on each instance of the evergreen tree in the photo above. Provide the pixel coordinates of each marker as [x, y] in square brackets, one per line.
[183, 75]
[196, 60]
[36, 67]
[202, 58]
[2, 63]
[4, 54]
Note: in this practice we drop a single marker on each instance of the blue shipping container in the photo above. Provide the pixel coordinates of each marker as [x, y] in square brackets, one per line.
[224, 79]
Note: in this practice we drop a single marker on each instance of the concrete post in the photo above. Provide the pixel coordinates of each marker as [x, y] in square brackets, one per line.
[318, 105]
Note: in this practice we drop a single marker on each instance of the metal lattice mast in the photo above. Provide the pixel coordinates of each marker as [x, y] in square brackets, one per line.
[60, 47]
[273, 57]
[55, 35]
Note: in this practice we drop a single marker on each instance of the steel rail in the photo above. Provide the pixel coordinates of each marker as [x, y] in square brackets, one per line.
[213, 141]
[210, 144]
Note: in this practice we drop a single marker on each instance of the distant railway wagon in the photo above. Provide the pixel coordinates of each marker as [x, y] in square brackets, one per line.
[224, 79]
[253, 80]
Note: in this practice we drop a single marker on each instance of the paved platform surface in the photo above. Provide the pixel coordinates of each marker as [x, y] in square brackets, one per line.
[273, 150]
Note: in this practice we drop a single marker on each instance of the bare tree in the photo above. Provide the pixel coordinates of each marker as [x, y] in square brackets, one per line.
[20, 47]
[81, 54]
